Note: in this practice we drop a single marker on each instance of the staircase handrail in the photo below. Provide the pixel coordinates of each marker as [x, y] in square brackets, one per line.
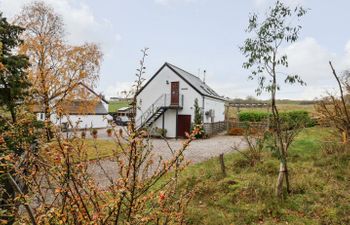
[160, 102]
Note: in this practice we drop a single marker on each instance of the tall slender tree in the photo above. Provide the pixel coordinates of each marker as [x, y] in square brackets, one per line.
[56, 67]
[197, 113]
[265, 59]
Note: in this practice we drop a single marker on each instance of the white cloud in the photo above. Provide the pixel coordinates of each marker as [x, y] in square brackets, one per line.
[310, 60]
[81, 24]
[168, 2]
[117, 89]
[262, 3]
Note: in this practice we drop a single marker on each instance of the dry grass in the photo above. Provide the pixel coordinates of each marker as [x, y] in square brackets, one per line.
[320, 187]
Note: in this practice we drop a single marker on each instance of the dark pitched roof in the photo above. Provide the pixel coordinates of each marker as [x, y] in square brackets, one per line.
[194, 81]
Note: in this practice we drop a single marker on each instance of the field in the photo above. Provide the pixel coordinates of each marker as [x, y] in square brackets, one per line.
[283, 107]
[320, 187]
[113, 106]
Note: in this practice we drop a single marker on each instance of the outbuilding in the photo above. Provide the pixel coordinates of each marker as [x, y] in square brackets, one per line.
[79, 113]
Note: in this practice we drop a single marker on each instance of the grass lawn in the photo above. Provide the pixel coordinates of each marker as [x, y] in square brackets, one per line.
[113, 106]
[95, 149]
[320, 187]
[100, 148]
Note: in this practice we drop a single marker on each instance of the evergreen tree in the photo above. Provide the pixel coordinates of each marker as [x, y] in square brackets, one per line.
[197, 113]
[198, 123]
[13, 78]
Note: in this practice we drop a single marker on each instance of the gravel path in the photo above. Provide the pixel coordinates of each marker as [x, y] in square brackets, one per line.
[198, 151]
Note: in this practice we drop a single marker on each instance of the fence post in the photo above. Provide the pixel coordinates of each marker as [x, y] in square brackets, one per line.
[222, 163]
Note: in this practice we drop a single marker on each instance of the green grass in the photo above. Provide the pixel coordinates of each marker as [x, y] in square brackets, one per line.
[90, 148]
[114, 105]
[100, 148]
[282, 107]
[320, 187]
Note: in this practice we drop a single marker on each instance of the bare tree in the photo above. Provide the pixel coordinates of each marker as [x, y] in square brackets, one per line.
[335, 111]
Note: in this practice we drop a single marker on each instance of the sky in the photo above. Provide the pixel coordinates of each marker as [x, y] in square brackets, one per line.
[199, 35]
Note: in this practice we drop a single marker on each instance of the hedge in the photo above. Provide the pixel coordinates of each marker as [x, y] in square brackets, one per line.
[253, 116]
[290, 118]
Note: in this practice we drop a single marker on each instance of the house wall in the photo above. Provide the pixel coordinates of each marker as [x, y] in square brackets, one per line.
[218, 106]
[159, 86]
[86, 121]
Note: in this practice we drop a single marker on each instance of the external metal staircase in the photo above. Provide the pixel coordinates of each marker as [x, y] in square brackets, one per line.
[157, 109]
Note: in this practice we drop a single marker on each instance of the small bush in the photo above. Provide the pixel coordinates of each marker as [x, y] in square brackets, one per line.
[297, 118]
[201, 133]
[267, 167]
[158, 132]
[289, 119]
[333, 147]
[236, 131]
[253, 116]
[240, 163]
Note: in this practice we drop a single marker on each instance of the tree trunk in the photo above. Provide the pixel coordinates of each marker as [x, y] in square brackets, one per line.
[47, 120]
[280, 180]
[287, 178]
[13, 114]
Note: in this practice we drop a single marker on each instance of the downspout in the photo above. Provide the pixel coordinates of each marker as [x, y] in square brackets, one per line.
[163, 122]
[177, 121]
[203, 109]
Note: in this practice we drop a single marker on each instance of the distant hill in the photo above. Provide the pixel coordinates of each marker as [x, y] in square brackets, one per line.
[278, 101]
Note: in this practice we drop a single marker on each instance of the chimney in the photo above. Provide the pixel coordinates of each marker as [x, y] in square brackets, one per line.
[204, 72]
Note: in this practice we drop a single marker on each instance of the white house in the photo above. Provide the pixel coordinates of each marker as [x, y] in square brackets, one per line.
[167, 101]
[80, 113]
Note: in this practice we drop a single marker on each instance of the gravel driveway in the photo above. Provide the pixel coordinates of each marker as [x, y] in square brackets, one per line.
[198, 151]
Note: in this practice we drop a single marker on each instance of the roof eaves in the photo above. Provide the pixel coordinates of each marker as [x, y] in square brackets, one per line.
[158, 71]
[93, 92]
[189, 83]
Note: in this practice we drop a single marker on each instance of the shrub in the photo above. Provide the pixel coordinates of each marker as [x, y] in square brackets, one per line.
[158, 132]
[201, 133]
[253, 116]
[333, 147]
[94, 133]
[289, 119]
[109, 132]
[294, 118]
[236, 131]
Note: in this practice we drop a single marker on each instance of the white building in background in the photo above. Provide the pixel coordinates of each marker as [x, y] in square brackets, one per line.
[81, 114]
[167, 101]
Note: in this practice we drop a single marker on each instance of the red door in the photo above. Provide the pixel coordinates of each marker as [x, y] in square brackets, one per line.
[183, 125]
[174, 93]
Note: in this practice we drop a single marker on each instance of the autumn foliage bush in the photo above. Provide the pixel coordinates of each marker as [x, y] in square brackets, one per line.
[56, 185]
[236, 131]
